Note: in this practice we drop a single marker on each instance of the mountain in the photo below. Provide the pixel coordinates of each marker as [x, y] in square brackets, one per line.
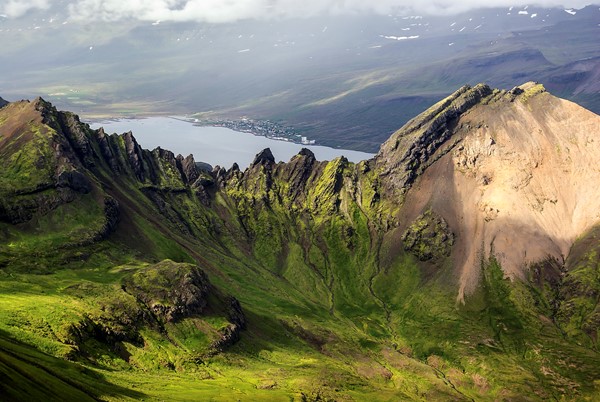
[460, 263]
[346, 81]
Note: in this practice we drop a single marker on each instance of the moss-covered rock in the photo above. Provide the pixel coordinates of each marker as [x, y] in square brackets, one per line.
[170, 290]
[429, 237]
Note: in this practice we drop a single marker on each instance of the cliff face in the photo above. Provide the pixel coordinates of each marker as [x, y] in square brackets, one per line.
[411, 150]
[511, 172]
[485, 184]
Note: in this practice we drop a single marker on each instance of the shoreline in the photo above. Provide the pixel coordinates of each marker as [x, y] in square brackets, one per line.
[258, 128]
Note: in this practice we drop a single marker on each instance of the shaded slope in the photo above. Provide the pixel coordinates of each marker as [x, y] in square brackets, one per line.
[28, 374]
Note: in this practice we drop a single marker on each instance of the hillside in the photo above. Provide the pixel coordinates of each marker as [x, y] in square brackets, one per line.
[460, 263]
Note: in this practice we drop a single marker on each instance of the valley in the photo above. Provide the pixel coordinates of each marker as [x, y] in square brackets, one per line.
[459, 263]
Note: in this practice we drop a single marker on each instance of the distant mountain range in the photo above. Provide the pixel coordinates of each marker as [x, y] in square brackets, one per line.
[346, 81]
[460, 263]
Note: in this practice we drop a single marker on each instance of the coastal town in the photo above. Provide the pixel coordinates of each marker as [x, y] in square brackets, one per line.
[265, 128]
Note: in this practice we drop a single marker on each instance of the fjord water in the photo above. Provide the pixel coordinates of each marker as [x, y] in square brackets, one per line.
[215, 145]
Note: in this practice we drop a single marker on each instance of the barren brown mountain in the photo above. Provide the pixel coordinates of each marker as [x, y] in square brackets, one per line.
[512, 172]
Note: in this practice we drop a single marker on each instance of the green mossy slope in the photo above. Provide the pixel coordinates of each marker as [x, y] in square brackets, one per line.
[137, 282]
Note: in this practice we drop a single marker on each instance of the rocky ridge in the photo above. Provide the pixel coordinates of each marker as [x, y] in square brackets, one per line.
[485, 185]
[461, 135]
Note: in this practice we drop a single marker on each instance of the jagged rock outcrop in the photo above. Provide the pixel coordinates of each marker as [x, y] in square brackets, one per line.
[159, 294]
[264, 157]
[135, 156]
[429, 237]
[74, 180]
[409, 151]
[41, 170]
[189, 169]
[15, 209]
[120, 322]
[75, 132]
[298, 173]
[3, 102]
[171, 291]
[106, 150]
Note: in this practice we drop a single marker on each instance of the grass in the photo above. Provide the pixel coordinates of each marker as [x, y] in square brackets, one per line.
[335, 308]
[295, 345]
[29, 374]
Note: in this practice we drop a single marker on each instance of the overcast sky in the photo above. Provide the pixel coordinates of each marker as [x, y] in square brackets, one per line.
[234, 10]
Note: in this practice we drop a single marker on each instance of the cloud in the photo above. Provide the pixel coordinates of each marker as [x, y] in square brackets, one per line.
[234, 10]
[18, 8]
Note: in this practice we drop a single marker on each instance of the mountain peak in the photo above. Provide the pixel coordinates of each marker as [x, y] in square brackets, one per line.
[43, 106]
[406, 154]
[264, 157]
[508, 170]
[306, 152]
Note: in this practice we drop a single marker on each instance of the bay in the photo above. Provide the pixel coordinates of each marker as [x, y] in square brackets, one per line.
[215, 145]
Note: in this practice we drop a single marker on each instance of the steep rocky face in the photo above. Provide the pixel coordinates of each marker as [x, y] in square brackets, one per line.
[513, 178]
[156, 297]
[3, 102]
[410, 150]
[429, 237]
[64, 155]
[43, 169]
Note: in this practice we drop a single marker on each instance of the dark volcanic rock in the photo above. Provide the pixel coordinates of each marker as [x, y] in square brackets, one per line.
[3, 102]
[264, 157]
[134, 156]
[74, 180]
[232, 175]
[429, 237]
[75, 133]
[45, 108]
[188, 168]
[16, 210]
[408, 152]
[106, 150]
[298, 172]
